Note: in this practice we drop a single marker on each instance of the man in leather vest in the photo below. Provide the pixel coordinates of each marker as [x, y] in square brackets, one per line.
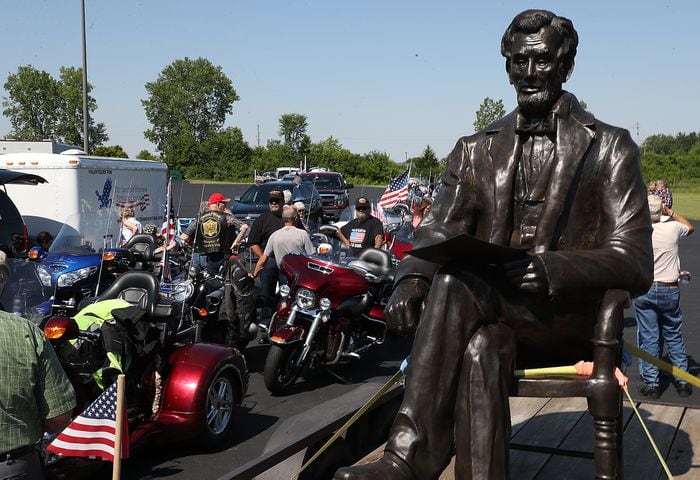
[548, 179]
[212, 233]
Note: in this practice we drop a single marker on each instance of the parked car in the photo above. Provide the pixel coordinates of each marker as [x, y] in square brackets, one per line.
[333, 190]
[11, 222]
[255, 200]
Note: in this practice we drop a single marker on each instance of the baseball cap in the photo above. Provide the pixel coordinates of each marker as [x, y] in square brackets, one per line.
[276, 195]
[217, 197]
[362, 202]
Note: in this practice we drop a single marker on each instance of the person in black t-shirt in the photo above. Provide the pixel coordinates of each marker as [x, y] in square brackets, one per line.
[264, 226]
[364, 231]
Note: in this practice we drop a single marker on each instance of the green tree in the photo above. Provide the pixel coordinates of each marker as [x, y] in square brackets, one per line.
[489, 111]
[32, 104]
[146, 155]
[293, 130]
[39, 107]
[70, 122]
[427, 164]
[187, 105]
[115, 151]
[331, 154]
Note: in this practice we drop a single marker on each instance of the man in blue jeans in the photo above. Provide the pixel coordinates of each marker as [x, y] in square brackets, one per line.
[658, 312]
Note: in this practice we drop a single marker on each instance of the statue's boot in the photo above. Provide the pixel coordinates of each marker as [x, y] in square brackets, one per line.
[389, 467]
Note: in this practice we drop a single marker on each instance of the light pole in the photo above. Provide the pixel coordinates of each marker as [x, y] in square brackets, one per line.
[85, 87]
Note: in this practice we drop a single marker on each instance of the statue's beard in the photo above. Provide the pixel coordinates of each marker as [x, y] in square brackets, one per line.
[537, 104]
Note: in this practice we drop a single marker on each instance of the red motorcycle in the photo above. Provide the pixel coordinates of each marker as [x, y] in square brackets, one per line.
[328, 312]
[178, 388]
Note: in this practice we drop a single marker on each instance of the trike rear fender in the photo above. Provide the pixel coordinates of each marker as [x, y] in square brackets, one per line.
[192, 368]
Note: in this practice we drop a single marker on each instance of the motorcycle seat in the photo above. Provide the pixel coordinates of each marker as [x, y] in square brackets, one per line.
[374, 261]
[141, 246]
[136, 287]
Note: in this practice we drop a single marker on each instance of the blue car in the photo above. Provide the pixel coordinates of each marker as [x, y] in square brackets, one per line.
[254, 201]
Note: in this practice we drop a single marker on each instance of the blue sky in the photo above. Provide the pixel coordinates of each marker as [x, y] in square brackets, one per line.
[391, 76]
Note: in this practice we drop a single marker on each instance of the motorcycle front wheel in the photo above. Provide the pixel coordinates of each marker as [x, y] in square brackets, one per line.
[280, 368]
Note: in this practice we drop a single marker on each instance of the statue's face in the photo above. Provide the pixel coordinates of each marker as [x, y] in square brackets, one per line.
[536, 70]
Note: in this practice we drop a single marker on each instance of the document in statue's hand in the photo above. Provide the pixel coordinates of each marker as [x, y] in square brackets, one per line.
[464, 247]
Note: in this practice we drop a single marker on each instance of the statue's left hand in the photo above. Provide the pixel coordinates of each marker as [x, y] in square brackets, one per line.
[527, 275]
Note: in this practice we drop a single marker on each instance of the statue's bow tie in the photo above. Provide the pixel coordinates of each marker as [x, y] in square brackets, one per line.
[536, 126]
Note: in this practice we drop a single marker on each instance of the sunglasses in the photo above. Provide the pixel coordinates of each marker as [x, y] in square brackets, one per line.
[362, 209]
[274, 201]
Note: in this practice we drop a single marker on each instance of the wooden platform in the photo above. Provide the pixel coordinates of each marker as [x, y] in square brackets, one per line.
[563, 424]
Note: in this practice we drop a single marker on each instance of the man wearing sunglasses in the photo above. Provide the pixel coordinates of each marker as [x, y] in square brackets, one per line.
[364, 231]
[264, 226]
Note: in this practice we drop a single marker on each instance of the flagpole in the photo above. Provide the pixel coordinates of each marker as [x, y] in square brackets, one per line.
[118, 424]
[166, 242]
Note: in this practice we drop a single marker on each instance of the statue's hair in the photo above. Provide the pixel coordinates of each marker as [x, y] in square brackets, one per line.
[531, 21]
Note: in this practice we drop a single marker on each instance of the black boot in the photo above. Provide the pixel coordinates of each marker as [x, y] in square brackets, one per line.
[389, 467]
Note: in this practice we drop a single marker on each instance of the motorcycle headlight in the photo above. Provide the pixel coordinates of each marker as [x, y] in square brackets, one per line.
[182, 291]
[324, 303]
[305, 298]
[44, 276]
[69, 278]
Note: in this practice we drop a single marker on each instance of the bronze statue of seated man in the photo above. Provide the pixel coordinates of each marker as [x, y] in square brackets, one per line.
[548, 179]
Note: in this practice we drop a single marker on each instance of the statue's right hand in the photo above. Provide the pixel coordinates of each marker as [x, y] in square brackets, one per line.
[403, 309]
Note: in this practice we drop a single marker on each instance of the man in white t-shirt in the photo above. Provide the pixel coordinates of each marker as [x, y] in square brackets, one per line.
[288, 239]
[658, 312]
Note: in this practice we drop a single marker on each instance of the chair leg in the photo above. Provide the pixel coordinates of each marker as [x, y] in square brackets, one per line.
[607, 449]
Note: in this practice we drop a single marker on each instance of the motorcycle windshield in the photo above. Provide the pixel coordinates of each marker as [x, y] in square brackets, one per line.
[347, 214]
[23, 289]
[405, 233]
[88, 232]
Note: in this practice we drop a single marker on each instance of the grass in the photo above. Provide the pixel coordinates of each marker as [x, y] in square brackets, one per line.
[687, 204]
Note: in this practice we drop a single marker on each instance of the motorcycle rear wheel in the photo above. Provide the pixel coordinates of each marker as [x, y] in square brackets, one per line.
[280, 369]
[219, 405]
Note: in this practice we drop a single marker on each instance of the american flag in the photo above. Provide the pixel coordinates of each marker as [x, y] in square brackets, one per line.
[168, 233]
[92, 433]
[396, 192]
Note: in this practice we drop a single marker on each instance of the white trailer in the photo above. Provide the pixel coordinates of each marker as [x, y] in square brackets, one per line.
[79, 184]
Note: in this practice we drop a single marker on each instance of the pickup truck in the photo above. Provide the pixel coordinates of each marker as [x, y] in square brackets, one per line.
[333, 190]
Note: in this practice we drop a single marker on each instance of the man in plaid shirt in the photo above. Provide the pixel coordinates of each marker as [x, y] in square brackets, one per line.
[663, 192]
[35, 394]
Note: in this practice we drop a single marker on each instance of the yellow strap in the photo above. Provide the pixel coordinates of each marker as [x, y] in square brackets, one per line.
[651, 440]
[397, 376]
[675, 371]
[538, 372]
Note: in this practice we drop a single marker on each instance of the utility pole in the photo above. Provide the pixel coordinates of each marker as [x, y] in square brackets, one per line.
[258, 134]
[85, 87]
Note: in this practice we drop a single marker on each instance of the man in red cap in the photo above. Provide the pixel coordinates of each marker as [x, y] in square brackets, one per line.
[213, 232]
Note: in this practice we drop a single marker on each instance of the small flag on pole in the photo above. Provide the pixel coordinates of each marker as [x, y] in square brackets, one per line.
[396, 192]
[93, 433]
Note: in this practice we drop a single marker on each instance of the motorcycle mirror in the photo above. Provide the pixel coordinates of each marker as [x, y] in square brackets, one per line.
[36, 253]
[325, 249]
[400, 209]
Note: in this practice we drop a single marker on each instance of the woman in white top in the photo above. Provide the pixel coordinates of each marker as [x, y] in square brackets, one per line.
[130, 226]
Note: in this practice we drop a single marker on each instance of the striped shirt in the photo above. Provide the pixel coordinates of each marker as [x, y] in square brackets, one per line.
[33, 385]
